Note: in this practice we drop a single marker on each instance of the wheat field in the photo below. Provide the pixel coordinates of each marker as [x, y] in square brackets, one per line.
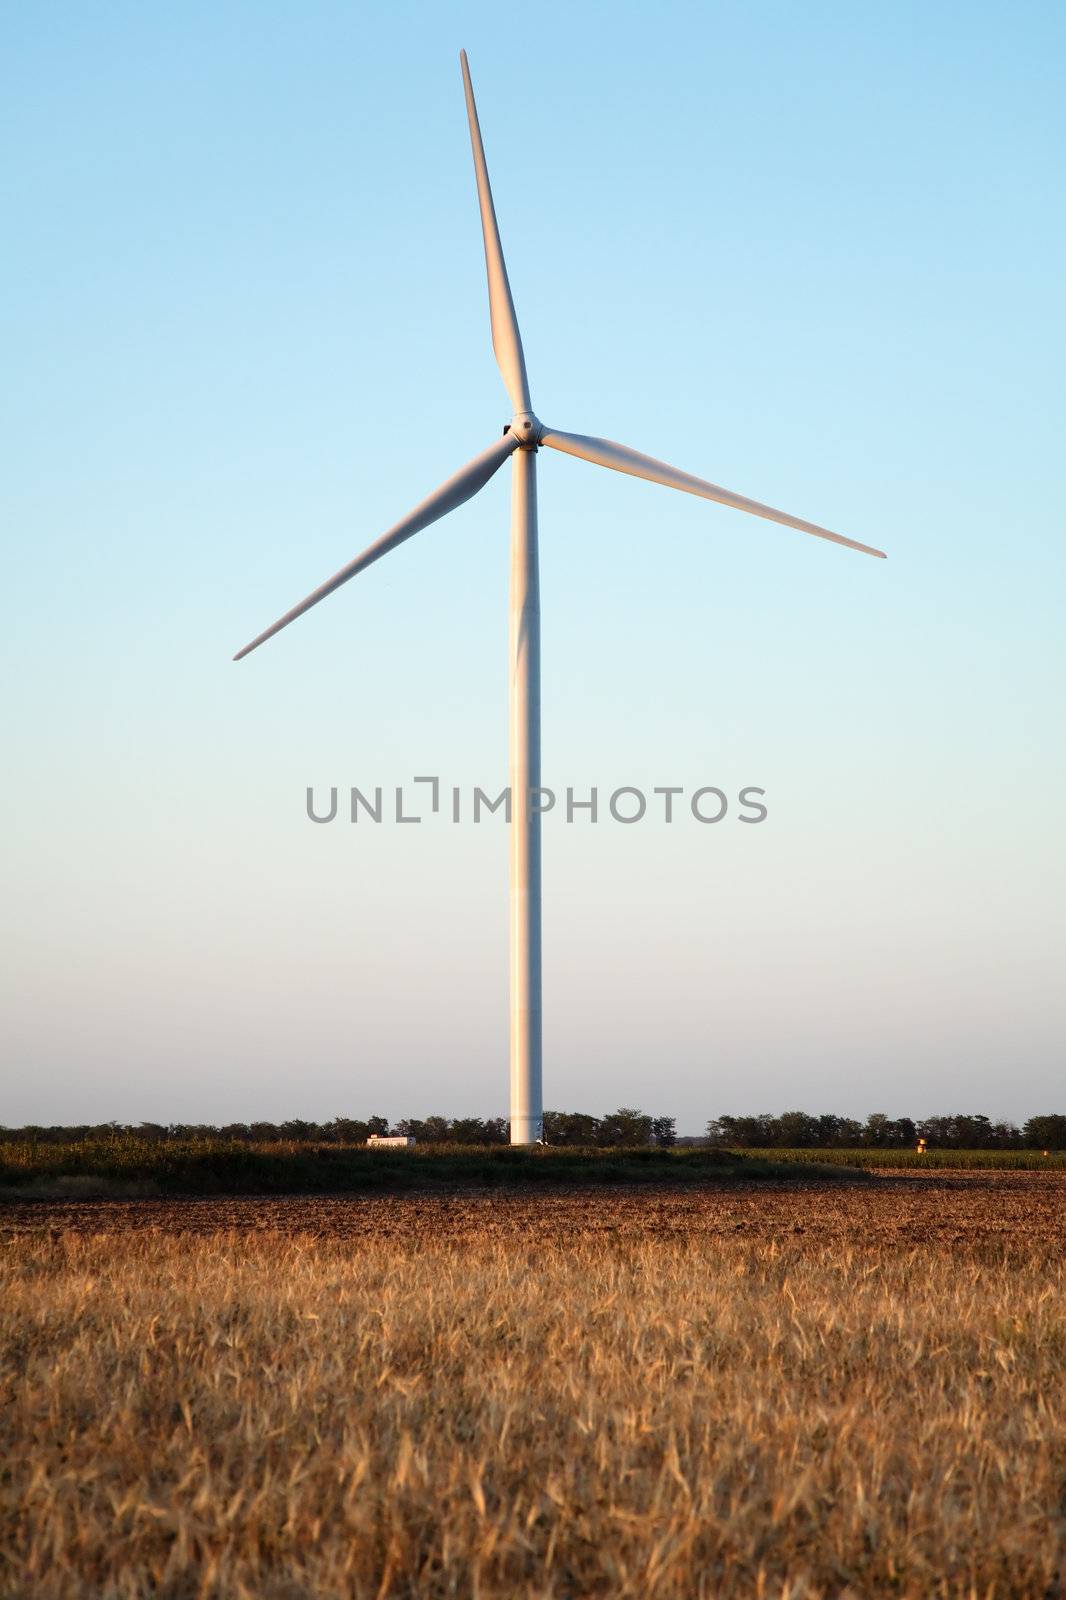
[816, 1394]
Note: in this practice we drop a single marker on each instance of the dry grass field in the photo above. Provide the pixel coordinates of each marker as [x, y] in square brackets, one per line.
[769, 1391]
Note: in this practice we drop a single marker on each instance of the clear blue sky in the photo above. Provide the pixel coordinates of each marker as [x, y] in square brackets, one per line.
[812, 252]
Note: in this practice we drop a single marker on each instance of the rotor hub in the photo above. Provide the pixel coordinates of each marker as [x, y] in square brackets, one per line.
[527, 429]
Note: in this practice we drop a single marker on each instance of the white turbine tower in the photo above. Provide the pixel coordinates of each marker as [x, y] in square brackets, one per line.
[521, 439]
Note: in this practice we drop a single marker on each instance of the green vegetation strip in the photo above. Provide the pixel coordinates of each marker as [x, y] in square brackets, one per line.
[957, 1160]
[131, 1167]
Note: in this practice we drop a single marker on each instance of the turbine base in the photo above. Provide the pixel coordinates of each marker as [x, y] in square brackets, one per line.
[527, 1130]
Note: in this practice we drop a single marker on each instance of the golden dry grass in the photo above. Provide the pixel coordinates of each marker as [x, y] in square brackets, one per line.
[617, 1395]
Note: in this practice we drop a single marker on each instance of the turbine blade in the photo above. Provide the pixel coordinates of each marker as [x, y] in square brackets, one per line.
[506, 339]
[466, 482]
[605, 453]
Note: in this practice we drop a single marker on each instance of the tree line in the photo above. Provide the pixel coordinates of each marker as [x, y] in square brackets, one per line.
[625, 1127]
[799, 1130]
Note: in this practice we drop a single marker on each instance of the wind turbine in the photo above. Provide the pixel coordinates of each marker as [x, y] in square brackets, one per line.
[522, 437]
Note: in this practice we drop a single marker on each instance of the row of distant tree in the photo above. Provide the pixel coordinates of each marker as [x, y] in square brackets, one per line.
[798, 1130]
[624, 1127]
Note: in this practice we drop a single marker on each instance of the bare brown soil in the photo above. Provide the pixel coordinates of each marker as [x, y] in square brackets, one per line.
[975, 1210]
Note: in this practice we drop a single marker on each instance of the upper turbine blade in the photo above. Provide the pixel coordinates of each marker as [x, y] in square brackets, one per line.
[506, 339]
[605, 453]
[465, 483]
